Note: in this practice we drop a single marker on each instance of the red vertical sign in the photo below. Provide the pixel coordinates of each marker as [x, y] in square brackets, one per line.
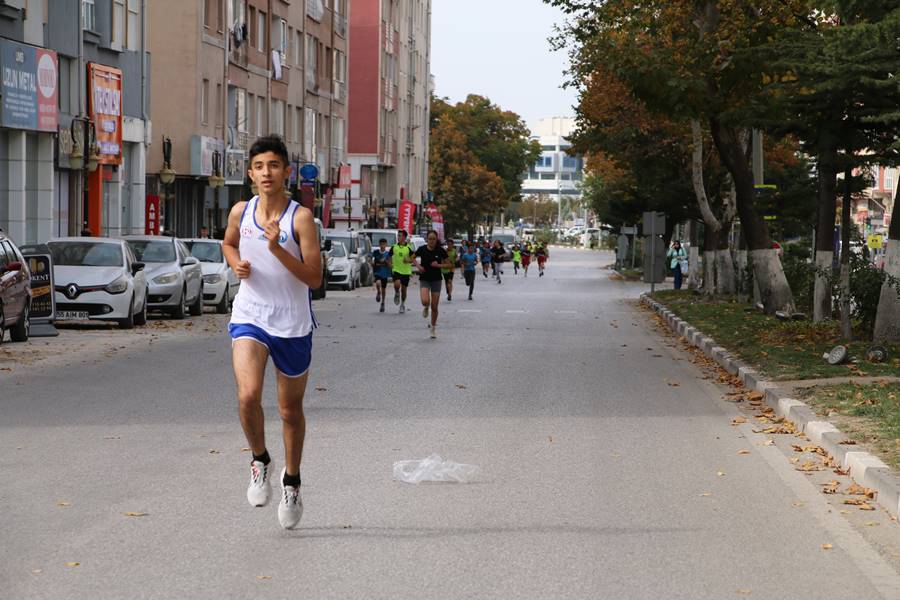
[405, 218]
[151, 216]
[326, 209]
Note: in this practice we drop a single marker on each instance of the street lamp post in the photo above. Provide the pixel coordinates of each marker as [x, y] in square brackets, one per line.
[83, 145]
[167, 178]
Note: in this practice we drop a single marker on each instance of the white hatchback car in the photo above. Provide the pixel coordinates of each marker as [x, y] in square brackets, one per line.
[220, 284]
[343, 271]
[174, 276]
[98, 278]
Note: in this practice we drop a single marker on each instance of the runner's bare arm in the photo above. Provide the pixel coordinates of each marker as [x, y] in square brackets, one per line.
[309, 269]
[232, 241]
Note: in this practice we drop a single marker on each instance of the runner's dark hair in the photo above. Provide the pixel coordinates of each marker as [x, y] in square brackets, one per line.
[382, 240]
[269, 143]
[430, 231]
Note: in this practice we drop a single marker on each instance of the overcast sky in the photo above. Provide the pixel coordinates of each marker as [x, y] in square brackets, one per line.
[499, 49]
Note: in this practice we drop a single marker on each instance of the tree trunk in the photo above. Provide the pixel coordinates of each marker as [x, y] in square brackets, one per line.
[775, 293]
[822, 309]
[694, 274]
[740, 263]
[887, 321]
[725, 276]
[846, 327]
[710, 242]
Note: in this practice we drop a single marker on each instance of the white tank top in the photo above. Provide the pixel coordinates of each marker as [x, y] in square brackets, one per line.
[272, 298]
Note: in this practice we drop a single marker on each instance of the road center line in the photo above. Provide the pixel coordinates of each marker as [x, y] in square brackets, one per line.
[516, 312]
[469, 310]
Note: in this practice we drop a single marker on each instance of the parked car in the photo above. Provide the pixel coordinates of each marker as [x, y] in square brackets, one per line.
[98, 279]
[15, 292]
[175, 277]
[359, 248]
[376, 234]
[343, 269]
[220, 284]
[324, 248]
[417, 241]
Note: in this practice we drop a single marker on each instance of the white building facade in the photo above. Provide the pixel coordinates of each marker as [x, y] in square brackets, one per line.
[556, 174]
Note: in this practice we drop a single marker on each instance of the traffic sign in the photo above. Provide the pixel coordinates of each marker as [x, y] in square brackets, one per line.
[309, 172]
[875, 242]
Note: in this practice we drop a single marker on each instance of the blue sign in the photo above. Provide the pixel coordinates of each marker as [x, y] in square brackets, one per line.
[29, 86]
[309, 172]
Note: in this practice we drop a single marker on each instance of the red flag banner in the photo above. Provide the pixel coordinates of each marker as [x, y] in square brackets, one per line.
[406, 216]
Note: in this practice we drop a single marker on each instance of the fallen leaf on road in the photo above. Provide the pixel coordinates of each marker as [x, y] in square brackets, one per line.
[744, 592]
[743, 452]
[214, 452]
[63, 504]
[113, 437]
[855, 501]
[798, 504]
[261, 577]
[827, 546]
[461, 386]
[706, 494]
[73, 564]
[830, 487]
[847, 443]
[738, 421]
[769, 442]
[794, 460]
[672, 383]
[321, 389]
[720, 473]
[37, 571]
[135, 514]
[858, 490]
[810, 466]
[245, 449]
[753, 396]
[871, 523]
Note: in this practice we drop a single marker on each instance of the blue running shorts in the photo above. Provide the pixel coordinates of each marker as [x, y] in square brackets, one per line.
[291, 356]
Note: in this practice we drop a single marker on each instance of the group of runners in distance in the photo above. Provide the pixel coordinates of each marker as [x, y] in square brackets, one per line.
[272, 245]
[436, 263]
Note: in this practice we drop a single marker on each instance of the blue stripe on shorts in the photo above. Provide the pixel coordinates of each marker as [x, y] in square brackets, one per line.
[291, 356]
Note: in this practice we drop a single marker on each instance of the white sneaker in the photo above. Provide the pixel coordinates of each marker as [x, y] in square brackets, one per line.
[402, 308]
[433, 332]
[260, 488]
[290, 509]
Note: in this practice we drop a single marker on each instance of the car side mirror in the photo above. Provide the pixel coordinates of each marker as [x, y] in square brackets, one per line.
[12, 266]
[190, 260]
[137, 266]
[327, 245]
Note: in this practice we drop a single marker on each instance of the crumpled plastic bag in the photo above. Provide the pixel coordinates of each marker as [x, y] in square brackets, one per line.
[433, 468]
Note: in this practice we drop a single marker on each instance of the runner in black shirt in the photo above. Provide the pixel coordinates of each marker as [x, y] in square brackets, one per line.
[430, 259]
[498, 253]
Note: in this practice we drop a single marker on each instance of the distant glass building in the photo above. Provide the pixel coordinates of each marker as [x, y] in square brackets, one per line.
[556, 174]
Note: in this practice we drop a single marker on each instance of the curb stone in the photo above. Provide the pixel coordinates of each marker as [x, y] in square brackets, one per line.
[864, 468]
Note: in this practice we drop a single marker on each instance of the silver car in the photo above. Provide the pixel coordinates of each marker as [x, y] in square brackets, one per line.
[174, 276]
[220, 284]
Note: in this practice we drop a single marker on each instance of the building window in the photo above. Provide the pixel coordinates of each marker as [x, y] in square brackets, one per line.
[261, 31]
[548, 148]
[251, 113]
[309, 134]
[278, 117]
[251, 30]
[548, 175]
[570, 162]
[298, 122]
[219, 108]
[118, 23]
[283, 38]
[240, 105]
[337, 137]
[133, 26]
[298, 47]
[312, 60]
[260, 116]
[889, 179]
[204, 102]
[545, 162]
[88, 15]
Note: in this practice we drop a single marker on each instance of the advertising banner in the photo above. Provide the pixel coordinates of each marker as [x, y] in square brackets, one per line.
[326, 209]
[344, 178]
[437, 223]
[151, 216]
[202, 148]
[105, 85]
[30, 87]
[406, 216]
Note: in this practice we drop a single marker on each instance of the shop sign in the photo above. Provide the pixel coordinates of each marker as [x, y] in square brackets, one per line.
[105, 87]
[30, 87]
[43, 301]
[344, 177]
[151, 216]
[235, 166]
[202, 148]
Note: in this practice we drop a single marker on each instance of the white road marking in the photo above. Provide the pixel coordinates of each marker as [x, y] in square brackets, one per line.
[565, 312]
[469, 310]
[516, 312]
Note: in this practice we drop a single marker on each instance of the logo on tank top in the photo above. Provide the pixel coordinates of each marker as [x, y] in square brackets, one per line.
[282, 237]
[246, 231]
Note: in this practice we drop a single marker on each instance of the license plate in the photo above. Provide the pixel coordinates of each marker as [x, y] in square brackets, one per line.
[71, 315]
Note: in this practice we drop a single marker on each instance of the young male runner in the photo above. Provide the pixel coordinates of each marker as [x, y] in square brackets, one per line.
[541, 254]
[526, 258]
[272, 245]
[431, 259]
[401, 267]
[498, 255]
[381, 258]
[516, 258]
[448, 272]
[485, 251]
[469, 260]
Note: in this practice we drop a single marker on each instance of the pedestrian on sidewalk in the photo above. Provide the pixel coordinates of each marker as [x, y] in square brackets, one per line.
[498, 255]
[381, 258]
[469, 261]
[272, 317]
[677, 257]
[430, 259]
[448, 272]
[401, 267]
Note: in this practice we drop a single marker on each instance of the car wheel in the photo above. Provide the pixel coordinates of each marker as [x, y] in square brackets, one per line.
[20, 331]
[197, 307]
[128, 322]
[222, 306]
[141, 317]
[180, 311]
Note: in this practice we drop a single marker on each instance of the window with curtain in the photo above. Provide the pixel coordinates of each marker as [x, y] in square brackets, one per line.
[240, 105]
[309, 134]
[133, 25]
[261, 31]
[88, 15]
[118, 23]
[277, 117]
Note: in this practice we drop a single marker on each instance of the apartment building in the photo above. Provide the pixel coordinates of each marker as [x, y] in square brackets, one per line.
[229, 71]
[390, 91]
[556, 174]
[73, 117]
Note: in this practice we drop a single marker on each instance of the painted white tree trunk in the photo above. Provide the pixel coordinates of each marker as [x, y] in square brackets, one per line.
[887, 322]
[709, 272]
[775, 293]
[725, 282]
[846, 326]
[822, 294]
[694, 268]
[740, 261]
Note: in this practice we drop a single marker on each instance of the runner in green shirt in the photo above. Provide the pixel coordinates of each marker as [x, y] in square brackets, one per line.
[517, 258]
[401, 266]
[447, 272]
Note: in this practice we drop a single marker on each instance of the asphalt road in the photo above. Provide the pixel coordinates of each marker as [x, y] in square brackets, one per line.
[600, 478]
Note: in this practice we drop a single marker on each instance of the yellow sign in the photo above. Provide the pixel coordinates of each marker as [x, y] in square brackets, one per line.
[875, 242]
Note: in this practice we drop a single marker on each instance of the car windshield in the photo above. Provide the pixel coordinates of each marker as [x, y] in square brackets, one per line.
[86, 254]
[205, 251]
[153, 252]
[374, 236]
[337, 250]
